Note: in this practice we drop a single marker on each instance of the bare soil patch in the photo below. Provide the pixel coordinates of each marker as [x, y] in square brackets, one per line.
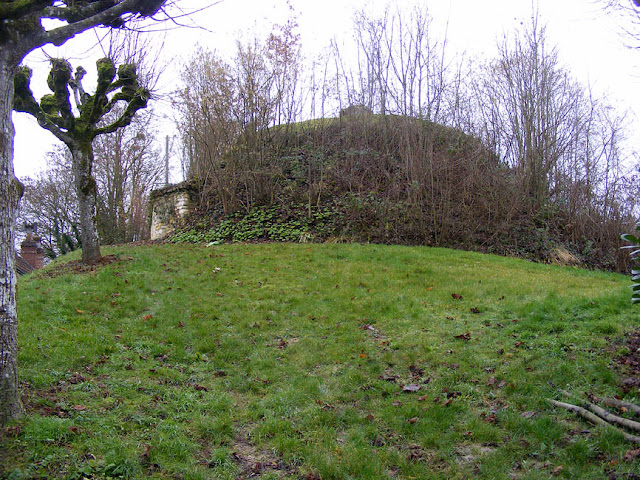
[629, 362]
[78, 267]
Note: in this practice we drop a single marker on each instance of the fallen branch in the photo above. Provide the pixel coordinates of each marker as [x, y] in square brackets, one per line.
[587, 415]
[620, 404]
[608, 416]
[611, 418]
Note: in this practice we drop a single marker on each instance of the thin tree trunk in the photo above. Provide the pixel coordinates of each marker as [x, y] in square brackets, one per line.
[86, 191]
[10, 193]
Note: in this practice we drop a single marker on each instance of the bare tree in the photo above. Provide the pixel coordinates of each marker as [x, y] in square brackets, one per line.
[208, 122]
[401, 68]
[527, 101]
[371, 35]
[628, 16]
[254, 81]
[227, 108]
[21, 31]
[127, 168]
[50, 202]
[283, 52]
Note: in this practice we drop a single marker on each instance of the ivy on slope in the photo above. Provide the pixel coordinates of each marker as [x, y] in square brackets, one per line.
[298, 223]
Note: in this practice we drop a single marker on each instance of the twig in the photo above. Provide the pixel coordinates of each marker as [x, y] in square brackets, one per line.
[612, 402]
[594, 419]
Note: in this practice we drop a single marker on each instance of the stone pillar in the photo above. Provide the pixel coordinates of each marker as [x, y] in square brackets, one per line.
[31, 250]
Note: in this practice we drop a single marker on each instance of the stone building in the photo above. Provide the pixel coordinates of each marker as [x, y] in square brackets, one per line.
[170, 208]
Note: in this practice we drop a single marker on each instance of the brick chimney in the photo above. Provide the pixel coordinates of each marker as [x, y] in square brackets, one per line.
[30, 249]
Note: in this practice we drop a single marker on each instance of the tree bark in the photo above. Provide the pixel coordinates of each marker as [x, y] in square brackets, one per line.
[20, 33]
[87, 192]
[10, 193]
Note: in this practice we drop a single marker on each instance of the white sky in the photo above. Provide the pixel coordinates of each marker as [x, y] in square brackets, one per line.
[590, 45]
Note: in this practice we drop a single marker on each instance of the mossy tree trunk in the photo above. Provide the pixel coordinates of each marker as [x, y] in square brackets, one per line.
[87, 193]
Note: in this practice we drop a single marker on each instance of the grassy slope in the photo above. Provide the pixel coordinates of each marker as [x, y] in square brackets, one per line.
[289, 362]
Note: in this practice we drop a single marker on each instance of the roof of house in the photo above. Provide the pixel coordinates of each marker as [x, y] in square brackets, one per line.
[22, 266]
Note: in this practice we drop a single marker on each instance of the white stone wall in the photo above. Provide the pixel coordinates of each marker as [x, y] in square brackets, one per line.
[168, 213]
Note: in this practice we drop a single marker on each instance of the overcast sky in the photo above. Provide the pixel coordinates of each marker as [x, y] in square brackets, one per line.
[590, 44]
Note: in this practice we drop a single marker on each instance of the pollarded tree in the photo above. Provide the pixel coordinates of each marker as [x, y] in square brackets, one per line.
[22, 30]
[56, 113]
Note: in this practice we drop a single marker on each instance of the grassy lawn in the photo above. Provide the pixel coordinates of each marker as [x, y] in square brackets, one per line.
[316, 362]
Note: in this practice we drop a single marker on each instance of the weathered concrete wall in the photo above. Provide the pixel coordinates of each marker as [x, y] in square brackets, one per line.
[355, 111]
[170, 208]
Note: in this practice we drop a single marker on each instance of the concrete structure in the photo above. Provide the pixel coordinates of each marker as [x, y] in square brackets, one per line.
[355, 111]
[170, 208]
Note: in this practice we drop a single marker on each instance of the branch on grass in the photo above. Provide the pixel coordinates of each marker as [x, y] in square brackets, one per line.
[622, 405]
[608, 416]
[611, 418]
[587, 415]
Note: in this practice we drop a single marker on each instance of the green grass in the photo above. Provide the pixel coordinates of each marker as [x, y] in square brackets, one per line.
[288, 361]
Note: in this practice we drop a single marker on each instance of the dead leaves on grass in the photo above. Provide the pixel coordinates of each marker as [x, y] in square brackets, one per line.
[492, 382]
[463, 336]
[411, 388]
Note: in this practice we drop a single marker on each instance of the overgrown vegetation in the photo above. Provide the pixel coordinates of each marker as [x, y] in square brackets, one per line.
[316, 362]
[294, 223]
[349, 179]
[510, 155]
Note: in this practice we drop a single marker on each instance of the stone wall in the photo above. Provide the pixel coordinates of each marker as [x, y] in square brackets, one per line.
[170, 208]
[355, 111]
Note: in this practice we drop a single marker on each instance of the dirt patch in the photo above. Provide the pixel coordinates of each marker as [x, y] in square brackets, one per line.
[468, 454]
[78, 267]
[44, 402]
[627, 357]
[255, 462]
